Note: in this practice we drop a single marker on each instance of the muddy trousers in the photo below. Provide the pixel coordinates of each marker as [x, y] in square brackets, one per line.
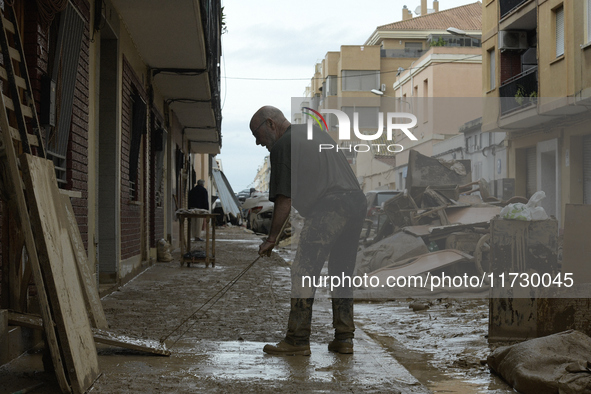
[300, 320]
[332, 231]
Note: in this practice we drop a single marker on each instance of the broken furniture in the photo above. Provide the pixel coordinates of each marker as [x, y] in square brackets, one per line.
[187, 257]
[424, 171]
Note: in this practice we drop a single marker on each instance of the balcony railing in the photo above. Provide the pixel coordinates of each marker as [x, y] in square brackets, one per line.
[211, 18]
[401, 53]
[519, 91]
[506, 6]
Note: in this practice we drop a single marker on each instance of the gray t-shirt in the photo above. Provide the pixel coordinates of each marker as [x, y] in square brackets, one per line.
[300, 171]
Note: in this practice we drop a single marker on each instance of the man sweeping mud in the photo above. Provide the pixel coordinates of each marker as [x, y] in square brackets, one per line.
[325, 191]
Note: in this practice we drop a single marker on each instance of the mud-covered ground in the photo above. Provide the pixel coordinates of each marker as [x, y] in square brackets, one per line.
[221, 350]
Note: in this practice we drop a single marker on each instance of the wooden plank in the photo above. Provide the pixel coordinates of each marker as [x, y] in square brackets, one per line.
[14, 54]
[87, 281]
[54, 247]
[26, 110]
[124, 341]
[8, 25]
[16, 136]
[472, 215]
[25, 320]
[12, 182]
[422, 264]
[100, 336]
[20, 81]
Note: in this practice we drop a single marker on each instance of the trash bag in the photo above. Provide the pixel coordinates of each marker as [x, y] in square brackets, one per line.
[163, 251]
[555, 364]
[530, 211]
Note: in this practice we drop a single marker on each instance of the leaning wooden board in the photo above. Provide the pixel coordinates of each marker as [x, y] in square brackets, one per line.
[56, 256]
[89, 287]
[100, 336]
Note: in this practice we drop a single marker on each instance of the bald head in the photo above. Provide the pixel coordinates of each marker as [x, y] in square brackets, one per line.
[268, 124]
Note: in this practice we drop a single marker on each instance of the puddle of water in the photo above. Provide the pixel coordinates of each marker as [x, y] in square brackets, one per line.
[442, 346]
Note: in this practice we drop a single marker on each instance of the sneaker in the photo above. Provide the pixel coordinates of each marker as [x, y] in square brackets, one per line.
[344, 346]
[285, 349]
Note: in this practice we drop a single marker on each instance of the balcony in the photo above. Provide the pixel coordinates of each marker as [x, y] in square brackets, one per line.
[506, 6]
[396, 53]
[212, 28]
[519, 91]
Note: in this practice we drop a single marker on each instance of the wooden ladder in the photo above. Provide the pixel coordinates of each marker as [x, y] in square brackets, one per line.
[20, 130]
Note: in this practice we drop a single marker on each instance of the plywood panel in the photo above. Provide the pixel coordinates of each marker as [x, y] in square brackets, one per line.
[87, 281]
[56, 256]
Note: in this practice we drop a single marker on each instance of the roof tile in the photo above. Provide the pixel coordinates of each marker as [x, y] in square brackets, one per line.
[466, 17]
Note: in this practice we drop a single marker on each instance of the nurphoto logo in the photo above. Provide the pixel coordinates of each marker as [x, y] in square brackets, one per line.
[344, 124]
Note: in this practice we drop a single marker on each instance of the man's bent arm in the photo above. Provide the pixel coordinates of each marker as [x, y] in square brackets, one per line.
[281, 212]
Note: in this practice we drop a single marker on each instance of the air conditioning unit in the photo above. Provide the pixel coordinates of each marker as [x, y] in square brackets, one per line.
[383, 88]
[512, 40]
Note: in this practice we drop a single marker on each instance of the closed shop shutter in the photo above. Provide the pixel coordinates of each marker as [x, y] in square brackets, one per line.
[587, 169]
[531, 174]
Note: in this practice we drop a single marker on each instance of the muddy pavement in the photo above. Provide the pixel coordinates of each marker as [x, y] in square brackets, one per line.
[221, 351]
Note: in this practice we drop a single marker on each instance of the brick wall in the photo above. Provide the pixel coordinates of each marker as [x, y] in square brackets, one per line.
[77, 159]
[131, 211]
[36, 45]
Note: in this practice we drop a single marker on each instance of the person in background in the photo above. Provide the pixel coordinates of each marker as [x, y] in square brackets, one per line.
[198, 198]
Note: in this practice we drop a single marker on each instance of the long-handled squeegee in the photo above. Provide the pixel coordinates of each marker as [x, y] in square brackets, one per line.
[216, 297]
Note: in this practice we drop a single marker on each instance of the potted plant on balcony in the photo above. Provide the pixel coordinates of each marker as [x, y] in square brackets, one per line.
[523, 98]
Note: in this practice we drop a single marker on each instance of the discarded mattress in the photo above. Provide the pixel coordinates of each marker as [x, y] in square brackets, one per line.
[558, 363]
[399, 246]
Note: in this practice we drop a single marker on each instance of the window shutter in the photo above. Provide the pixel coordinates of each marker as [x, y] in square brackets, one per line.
[560, 32]
[493, 70]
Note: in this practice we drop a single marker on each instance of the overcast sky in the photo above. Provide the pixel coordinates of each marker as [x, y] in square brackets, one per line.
[277, 39]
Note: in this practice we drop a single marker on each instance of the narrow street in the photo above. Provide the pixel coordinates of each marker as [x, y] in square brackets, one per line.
[222, 350]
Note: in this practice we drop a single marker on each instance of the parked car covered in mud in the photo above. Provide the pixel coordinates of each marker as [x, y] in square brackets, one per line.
[375, 199]
[258, 211]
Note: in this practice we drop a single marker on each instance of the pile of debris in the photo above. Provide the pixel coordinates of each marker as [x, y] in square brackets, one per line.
[439, 224]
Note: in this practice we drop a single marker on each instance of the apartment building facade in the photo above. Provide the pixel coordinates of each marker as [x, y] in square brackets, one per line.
[372, 78]
[136, 112]
[537, 90]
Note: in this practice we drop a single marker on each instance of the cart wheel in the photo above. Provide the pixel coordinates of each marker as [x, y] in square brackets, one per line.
[482, 255]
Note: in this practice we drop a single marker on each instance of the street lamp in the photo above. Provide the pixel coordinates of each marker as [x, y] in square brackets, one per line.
[459, 32]
[380, 93]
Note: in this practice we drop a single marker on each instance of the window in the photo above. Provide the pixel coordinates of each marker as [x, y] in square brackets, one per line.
[63, 74]
[425, 101]
[559, 17]
[413, 46]
[492, 70]
[360, 80]
[331, 85]
[368, 116]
